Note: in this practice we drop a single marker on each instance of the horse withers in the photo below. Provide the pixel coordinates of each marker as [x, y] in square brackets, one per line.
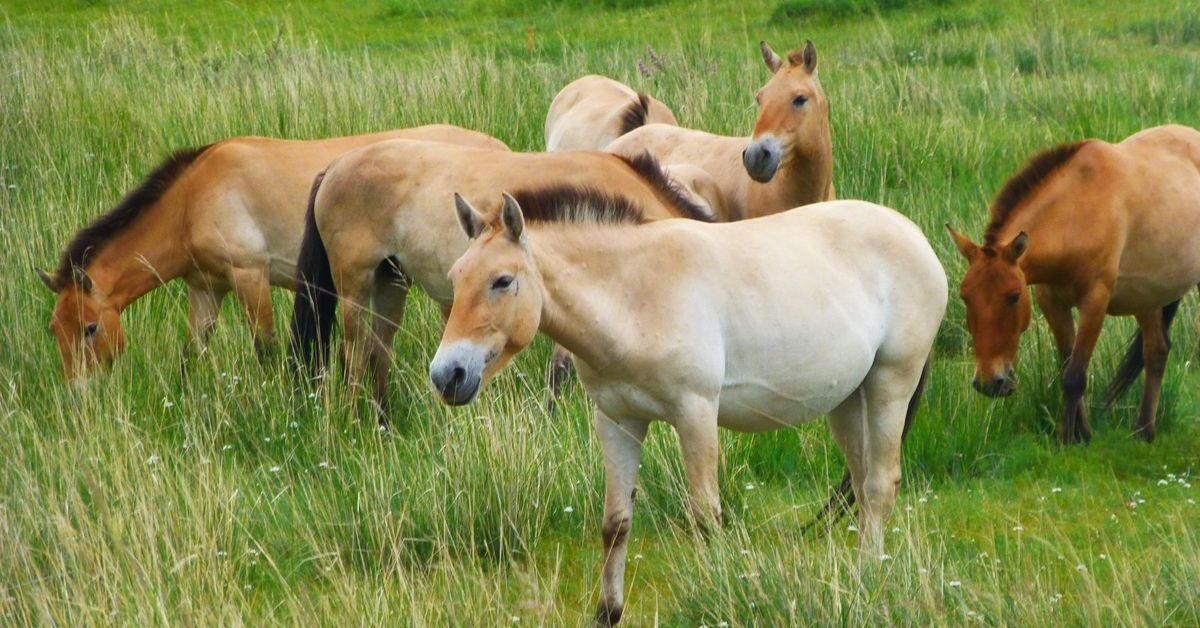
[1108, 229]
[830, 309]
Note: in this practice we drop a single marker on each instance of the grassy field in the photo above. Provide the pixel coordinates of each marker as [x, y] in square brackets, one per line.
[229, 498]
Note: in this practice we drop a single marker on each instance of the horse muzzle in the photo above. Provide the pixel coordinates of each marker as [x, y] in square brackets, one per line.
[999, 385]
[456, 372]
[762, 158]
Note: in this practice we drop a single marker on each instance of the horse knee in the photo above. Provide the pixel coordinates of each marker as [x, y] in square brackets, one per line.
[1074, 382]
[615, 530]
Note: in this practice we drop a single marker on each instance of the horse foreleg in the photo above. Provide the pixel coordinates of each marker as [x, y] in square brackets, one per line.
[698, 443]
[557, 373]
[253, 289]
[1155, 349]
[204, 305]
[391, 295]
[1092, 311]
[622, 445]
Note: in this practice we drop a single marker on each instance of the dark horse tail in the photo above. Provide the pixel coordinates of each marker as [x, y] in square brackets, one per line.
[842, 499]
[316, 295]
[1134, 360]
[635, 114]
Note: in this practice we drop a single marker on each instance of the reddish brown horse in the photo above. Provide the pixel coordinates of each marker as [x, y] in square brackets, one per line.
[225, 218]
[1105, 228]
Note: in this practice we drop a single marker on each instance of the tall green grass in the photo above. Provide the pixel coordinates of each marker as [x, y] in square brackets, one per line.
[229, 497]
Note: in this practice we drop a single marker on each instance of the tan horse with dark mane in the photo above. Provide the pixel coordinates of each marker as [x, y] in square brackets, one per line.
[785, 163]
[379, 222]
[1109, 229]
[592, 111]
[829, 309]
[225, 217]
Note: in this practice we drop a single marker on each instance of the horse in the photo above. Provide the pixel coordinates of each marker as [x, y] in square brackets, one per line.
[376, 225]
[224, 217]
[592, 111]
[787, 162]
[754, 325]
[1109, 229]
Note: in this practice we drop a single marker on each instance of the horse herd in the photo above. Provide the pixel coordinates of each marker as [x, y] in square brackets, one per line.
[698, 279]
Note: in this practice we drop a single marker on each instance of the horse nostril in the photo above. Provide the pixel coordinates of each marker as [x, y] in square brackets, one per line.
[457, 378]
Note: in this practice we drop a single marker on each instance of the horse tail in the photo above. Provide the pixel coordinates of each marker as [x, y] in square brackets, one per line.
[316, 294]
[1133, 362]
[635, 114]
[841, 500]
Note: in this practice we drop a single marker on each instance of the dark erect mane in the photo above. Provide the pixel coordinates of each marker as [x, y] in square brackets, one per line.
[577, 204]
[651, 172]
[634, 115]
[107, 226]
[1020, 186]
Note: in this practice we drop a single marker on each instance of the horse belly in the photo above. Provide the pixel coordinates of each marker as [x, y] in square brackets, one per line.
[793, 382]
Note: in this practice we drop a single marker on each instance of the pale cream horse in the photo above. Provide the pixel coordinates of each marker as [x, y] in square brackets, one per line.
[377, 225]
[592, 111]
[224, 217]
[787, 162]
[756, 325]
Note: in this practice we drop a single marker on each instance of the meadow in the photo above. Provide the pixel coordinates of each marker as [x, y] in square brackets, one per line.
[233, 498]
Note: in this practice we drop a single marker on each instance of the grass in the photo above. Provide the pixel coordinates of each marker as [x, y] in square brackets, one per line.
[229, 498]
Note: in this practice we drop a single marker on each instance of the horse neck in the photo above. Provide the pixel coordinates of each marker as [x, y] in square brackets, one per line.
[589, 300]
[1040, 264]
[145, 255]
[807, 176]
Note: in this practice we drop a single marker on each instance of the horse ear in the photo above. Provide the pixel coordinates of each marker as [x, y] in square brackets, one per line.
[769, 57]
[468, 217]
[810, 57]
[512, 217]
[965, 246]
[81, 279]
[52, 282]
[1014, 249]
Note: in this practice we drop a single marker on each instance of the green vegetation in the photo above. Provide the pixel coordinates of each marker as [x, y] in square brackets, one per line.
[228, 498]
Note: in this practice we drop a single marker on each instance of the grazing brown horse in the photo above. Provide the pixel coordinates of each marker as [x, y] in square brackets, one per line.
[225, 217]
[592, 111]
[1110, 229]
[379, 222]
[787, 162]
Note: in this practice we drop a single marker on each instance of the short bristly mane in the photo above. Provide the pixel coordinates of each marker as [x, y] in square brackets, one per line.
[577, 204]
[590, 204]
[648, 168]
[1025, 182]
[116, 220]
[634, 115]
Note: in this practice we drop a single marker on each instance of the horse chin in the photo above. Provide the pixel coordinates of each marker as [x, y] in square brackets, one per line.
[463, 397]
[761, 177]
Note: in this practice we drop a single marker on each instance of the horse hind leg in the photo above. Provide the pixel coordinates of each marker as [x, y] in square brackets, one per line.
[1155, 349]
[848, 423]
[888, 388]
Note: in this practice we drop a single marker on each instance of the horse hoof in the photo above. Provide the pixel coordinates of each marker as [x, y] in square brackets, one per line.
[607, 615]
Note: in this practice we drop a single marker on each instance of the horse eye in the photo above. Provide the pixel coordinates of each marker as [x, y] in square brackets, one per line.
[799, 101]
[89, 330]
[1012, 299]
[502, 282]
